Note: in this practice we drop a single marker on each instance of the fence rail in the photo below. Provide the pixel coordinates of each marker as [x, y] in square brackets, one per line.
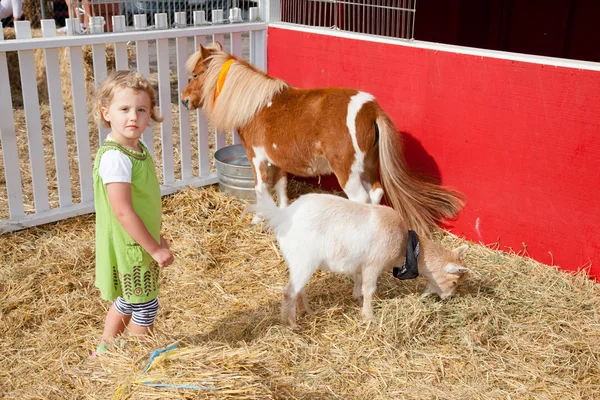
[392, 18]
[207, 11]
[47, 159]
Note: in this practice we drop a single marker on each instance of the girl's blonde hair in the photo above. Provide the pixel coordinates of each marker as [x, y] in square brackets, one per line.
[122, 80]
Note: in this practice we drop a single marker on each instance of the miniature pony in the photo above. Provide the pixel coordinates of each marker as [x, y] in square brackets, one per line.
[313, 132]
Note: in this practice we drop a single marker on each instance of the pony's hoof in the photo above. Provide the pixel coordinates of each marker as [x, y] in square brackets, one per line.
[256, 220]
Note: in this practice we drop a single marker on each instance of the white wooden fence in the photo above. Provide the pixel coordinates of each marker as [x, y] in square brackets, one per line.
[234, 35]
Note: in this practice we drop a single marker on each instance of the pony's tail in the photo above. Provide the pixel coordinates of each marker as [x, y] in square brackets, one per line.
[420, 202]
[266, 208]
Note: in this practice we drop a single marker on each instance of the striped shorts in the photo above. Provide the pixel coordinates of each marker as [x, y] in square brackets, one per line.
[142, 314]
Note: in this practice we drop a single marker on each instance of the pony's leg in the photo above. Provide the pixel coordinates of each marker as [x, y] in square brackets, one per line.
[356, 191]
[261, 176]
[375, 191]
[371, 177]
[349, 177]
[280, 177]
[346, 158]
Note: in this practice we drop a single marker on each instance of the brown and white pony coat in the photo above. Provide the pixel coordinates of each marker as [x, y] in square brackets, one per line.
[313, 132]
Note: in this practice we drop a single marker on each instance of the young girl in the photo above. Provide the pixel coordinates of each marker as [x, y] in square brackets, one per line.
[129, 248]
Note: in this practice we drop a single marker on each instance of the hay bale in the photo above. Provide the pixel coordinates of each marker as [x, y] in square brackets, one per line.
[33, 12]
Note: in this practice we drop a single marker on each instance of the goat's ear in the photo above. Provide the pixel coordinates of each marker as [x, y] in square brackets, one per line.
[204, 52]
[456, 270]
[461, 250]
[218, 46]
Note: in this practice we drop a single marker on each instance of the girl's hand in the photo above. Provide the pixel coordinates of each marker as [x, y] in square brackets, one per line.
[166, 252]
[163, 256]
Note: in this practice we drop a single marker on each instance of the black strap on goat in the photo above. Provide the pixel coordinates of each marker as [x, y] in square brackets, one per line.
[410, 268]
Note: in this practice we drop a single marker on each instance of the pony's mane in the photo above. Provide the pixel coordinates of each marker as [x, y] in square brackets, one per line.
[245, 92]
[191, 62]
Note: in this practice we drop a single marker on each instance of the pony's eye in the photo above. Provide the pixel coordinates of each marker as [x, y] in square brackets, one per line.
[195, 76]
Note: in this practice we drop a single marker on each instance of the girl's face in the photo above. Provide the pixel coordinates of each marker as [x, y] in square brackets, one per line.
[128, 114]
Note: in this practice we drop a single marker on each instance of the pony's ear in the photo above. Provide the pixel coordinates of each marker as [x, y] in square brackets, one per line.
[218, 46]
[203, 52]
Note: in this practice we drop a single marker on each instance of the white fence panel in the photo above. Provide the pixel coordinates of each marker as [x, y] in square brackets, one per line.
[121, 59]
[143, 67]
[203, 155]
[57, 113]
[69, 204]
[32, 118]
[164, 100]
[82, 134]
[184, 114]
[8, 139]
[236, 50]
[220, 137]
[100, 75]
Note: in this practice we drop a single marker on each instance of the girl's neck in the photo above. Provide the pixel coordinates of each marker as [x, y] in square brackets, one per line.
[130, 144]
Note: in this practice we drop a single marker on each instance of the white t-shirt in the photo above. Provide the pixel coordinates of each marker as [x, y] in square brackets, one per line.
[115, 166]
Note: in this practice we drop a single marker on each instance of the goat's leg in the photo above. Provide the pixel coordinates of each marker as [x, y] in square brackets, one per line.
[301, 269]
[288, 305]
[305, 306]
[369, 285]
[357, 291]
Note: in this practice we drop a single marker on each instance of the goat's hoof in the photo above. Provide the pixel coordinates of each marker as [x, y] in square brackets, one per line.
[308, 313]
[292, 325]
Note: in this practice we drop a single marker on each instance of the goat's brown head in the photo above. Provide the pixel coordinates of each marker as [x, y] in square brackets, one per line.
[445, 271]
[196, 65]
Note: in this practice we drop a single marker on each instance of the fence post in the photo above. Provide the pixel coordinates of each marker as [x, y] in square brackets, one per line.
[31, 105]
[43, 8]
[8, 140]
[258, 39]
[270, 10]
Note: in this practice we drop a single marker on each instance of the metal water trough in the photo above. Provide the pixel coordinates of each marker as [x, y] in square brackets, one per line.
[234, 172]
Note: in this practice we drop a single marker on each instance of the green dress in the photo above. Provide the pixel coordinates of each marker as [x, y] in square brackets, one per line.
[123, 267]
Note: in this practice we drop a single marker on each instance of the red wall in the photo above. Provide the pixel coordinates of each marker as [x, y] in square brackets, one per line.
[520, 140]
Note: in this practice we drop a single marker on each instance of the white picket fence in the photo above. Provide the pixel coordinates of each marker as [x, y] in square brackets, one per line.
[42, 212]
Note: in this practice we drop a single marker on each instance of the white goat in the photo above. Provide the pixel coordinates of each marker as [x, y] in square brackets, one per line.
[322, 231]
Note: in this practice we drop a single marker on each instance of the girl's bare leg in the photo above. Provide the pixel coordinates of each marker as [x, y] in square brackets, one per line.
[137, 330]
[114, 325]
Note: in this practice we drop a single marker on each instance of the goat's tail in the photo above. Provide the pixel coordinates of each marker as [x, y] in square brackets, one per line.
[266, 208]
[420, 202]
